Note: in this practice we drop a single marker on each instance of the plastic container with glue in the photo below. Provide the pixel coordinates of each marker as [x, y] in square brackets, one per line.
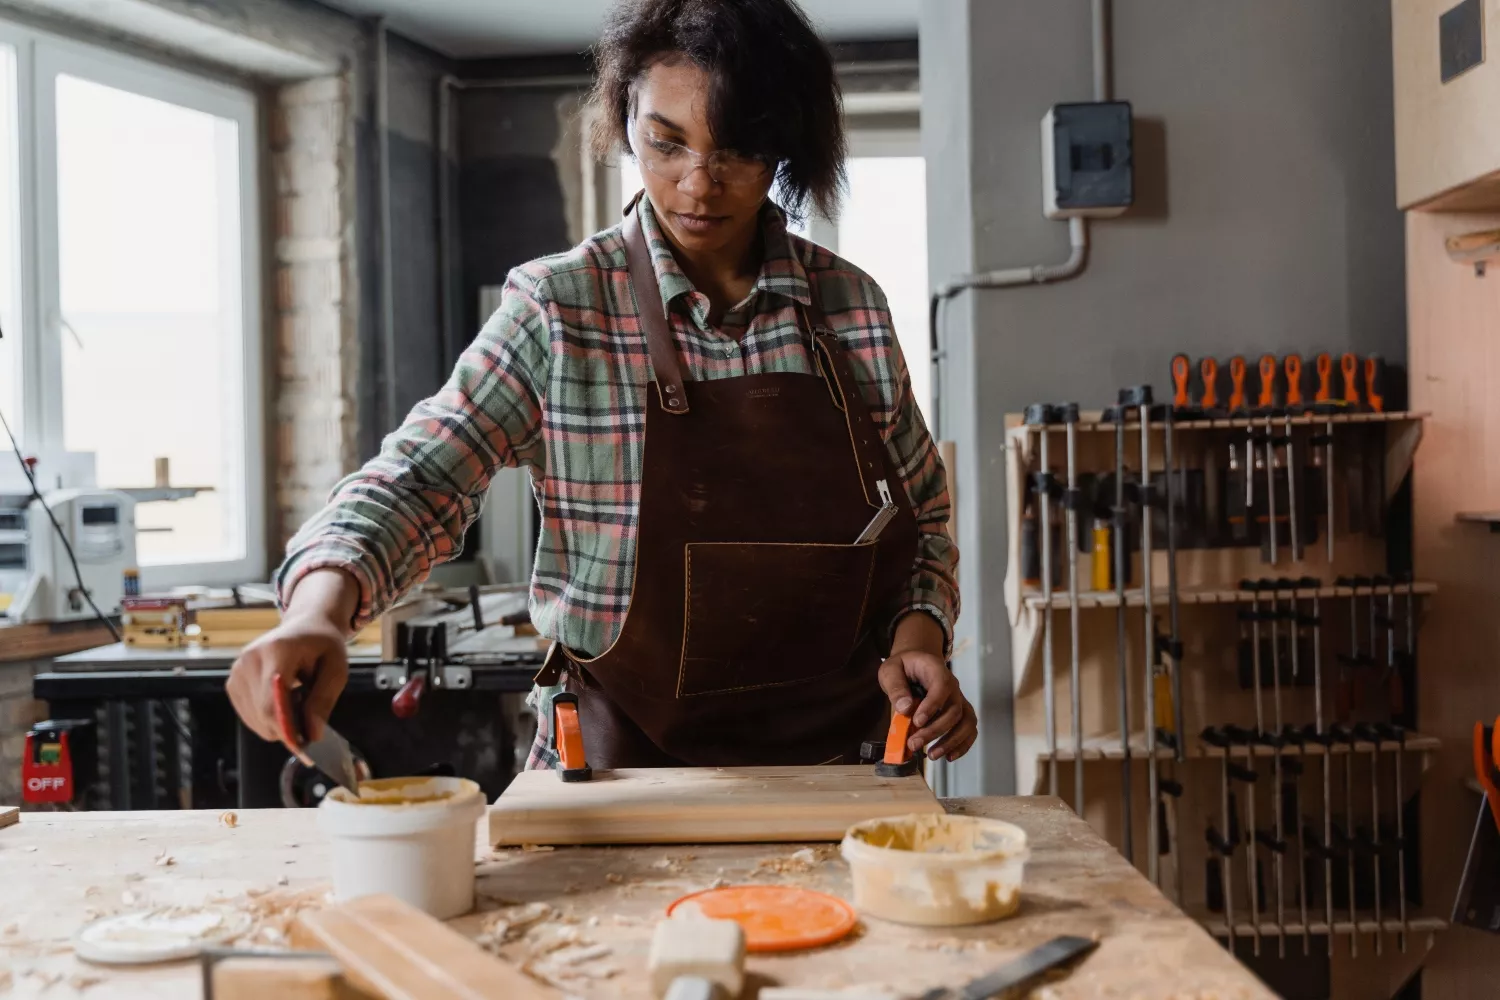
[412, 838]
[935, 870]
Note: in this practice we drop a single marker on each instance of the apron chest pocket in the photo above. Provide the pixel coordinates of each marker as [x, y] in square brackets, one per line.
[768, 614]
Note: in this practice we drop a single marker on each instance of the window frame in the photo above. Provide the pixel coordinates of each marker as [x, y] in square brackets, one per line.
[40, 58]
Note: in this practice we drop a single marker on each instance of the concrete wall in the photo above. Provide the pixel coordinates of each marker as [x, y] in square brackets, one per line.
[1266, 222]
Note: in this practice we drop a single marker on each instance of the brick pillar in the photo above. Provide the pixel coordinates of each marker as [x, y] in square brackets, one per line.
[17, 714]
[317, 344]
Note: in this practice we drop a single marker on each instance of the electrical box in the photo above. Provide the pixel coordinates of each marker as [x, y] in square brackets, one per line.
[1087, 160]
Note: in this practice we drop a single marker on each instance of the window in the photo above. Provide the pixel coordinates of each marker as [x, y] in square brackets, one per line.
[132, 330]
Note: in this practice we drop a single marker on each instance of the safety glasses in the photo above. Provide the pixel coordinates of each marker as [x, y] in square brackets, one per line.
[672, 161]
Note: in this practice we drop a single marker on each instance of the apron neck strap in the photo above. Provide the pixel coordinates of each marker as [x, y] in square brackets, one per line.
[653, 315]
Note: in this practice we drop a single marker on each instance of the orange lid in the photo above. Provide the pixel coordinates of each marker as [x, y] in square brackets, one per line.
[776, 917]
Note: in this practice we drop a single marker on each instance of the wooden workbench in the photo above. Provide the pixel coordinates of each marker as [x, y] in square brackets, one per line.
[55, 868]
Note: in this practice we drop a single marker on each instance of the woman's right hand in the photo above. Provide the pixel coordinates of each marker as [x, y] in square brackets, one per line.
[307, 648]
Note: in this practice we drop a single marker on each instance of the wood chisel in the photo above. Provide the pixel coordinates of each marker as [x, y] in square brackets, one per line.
[1022, 972]
[329, 753]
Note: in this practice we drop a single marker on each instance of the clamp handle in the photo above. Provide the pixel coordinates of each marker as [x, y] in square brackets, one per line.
[1267, 380]
[1181, 373]
[1349, 367]
[1237, 380]
[1374, 369]
[1325, 379]
[567, 738]
[1208, 368]
[894, 761]
[1292, 365]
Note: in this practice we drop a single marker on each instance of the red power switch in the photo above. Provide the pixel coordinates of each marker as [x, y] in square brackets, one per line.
[47, 768]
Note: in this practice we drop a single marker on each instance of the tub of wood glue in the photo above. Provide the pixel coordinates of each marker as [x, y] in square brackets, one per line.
[935, 870]
[412, 838]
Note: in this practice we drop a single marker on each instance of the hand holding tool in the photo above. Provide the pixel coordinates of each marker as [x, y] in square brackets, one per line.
[329, 753]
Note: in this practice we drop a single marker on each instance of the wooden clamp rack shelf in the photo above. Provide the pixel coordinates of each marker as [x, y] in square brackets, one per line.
[1391, 927]
[1093, 422]
[1107, 747]
[1135, 597]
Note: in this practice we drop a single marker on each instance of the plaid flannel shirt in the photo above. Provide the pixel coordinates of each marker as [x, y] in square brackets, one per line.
[556, 381]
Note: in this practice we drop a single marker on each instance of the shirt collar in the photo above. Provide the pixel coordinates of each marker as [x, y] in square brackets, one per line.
[781, 271]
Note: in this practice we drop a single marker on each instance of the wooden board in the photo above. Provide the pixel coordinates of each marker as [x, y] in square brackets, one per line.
[701, 805]
[394, 950]
[9, 816]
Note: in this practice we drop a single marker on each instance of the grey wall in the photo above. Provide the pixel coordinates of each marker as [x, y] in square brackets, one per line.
[1267, 222]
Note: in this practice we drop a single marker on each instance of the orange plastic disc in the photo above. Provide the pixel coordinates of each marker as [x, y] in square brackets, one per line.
[776, 917]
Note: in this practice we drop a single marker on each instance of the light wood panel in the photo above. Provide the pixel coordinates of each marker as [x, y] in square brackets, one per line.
[394, 950]
[9, 816]
[701, 805]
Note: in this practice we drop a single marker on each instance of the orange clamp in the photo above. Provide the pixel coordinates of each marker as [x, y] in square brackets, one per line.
[1237, 379]
[1373, 395]
[1349, 365]
[897, 761]
[567, 737]
[1208, 368]
[1293, 368]
[1181, 372]
[1325, 379]
[1267, 380]
[1484, 766]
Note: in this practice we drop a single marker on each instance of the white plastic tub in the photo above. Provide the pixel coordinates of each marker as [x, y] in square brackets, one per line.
[934, 870]
[412, 838]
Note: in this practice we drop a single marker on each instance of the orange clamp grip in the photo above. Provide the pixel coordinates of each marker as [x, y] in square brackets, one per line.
[1267, 380]
[1373, 395]
[1237, 379]
[569, 736]
[1293, 368]
[895, 740]
[1484, 767]
[1181, 372]
[1209, 369]
[1325, 379]
[1349, 365]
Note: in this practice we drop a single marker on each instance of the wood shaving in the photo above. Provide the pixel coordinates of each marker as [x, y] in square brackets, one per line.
[229, 818]
[128, 898]
[80, 981]
[92, 890]
[47, 980]
[165, 860]
[534, 848]
[133, 877]
[11, 928]
[5, 979]
[784, 866]
[614, 877]
[718, 883]
[581, 954]
[662, 865]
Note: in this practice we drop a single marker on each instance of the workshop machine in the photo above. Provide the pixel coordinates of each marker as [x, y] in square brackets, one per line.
[37, 581]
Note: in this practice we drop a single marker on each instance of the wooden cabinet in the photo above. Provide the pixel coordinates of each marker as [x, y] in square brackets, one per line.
[1447, 133]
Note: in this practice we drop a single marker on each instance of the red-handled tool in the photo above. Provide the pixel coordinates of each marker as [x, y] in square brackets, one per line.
[409, 699]
[1292, 365]
[1349, 367]
[567, 738]
[1267, 381]
[1208, 368]
[1237, 379]
[1181, 373]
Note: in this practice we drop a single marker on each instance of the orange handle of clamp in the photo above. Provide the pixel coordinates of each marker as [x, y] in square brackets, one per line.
[1237, 379]
[1349, 365]
[1209, 369]
[1181, 372]
[1484, 766]
[1325, 379]
[1373, 395]
[1293, 367]
[895, 740]
[1267, 380]
[569, 736]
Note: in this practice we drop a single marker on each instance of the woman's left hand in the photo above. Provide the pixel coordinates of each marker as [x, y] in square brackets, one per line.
[944, 715]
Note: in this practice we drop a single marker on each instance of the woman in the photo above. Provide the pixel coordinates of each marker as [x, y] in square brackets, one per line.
[743, 555]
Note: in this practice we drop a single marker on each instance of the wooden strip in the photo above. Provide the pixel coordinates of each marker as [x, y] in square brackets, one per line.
[701, 805]
[396, 951]
[9, 816]
[285, 977]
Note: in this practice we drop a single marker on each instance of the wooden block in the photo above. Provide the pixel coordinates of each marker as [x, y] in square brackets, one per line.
[396, 951]
[289, 977]
[237, 619]
[696, 805]
[713, 950]
[9, 816]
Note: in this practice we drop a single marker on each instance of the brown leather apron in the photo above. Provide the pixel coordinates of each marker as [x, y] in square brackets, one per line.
[756, 624]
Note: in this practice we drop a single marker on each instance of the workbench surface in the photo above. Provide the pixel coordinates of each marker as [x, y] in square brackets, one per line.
[59, 869]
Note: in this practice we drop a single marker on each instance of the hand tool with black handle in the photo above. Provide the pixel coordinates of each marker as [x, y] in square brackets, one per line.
[1371, 735]
[1248, 776]
[1216, 738]
[1013, 977]
[1343, 837]
[1072, 504]
[1139, 398]
[1397, 735]
[1166, 807]
[1122, 661]
[1325, 844]
[1040, 417]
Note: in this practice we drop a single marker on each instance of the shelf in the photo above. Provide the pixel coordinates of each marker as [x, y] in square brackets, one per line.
[1486, 517]
[1107, 747]
[1217, 926]
[1092, 423]
[1135, 597]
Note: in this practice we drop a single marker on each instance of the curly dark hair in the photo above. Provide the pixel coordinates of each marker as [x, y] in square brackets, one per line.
[774, 93]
